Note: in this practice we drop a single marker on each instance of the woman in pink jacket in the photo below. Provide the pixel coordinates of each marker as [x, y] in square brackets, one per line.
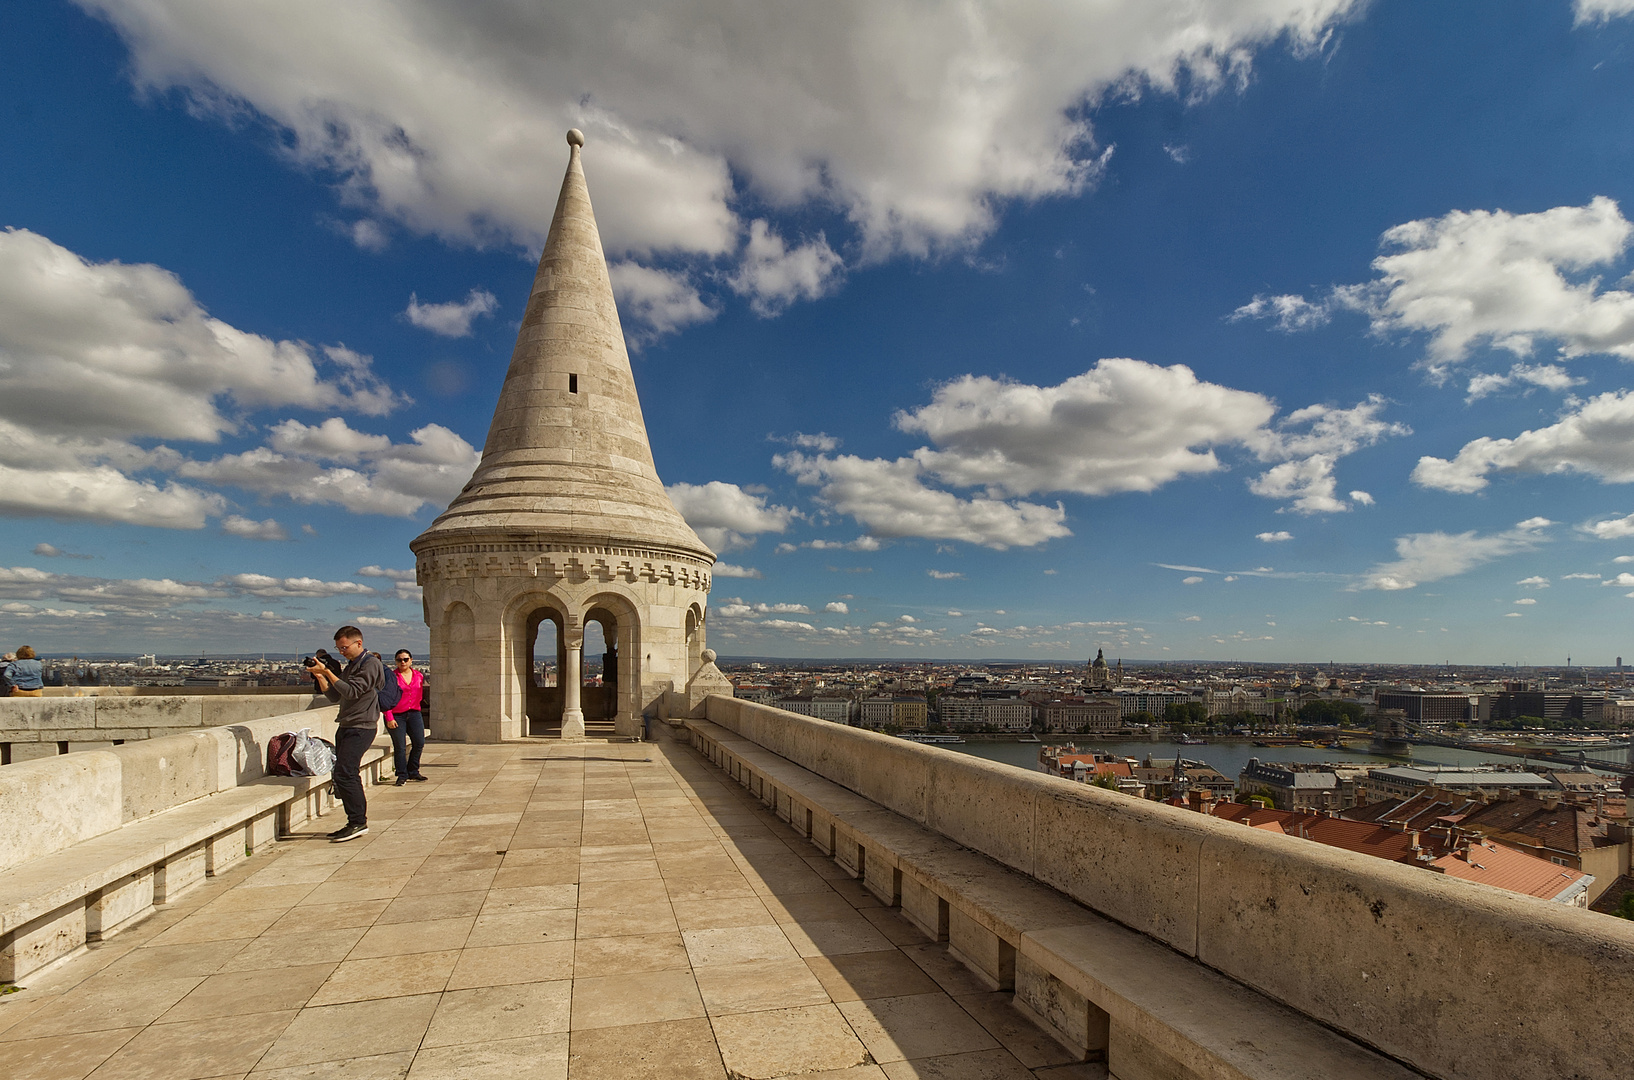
[406, 723]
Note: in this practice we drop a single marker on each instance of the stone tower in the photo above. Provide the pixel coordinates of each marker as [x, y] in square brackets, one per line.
[564, 523]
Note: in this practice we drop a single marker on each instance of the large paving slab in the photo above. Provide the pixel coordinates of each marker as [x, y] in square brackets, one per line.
[536, 909]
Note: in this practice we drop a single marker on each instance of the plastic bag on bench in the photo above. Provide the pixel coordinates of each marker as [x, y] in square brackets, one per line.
[311, 756]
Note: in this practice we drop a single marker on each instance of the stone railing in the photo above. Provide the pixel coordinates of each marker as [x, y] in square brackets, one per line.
[92, 840]
[1451, 978]
[69, 719]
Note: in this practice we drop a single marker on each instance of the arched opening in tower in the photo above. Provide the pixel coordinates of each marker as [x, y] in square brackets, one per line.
[547, 653]
[601, 672]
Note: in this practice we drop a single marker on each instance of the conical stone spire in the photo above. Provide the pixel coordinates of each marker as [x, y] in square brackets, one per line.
[567, 453]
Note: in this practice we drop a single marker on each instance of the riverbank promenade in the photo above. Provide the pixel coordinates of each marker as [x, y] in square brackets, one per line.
[584, 910]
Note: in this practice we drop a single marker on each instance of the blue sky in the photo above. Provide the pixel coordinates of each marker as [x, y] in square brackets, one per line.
[1296, 329]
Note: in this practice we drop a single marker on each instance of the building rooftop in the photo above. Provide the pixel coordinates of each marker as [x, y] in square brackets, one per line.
[572, 910]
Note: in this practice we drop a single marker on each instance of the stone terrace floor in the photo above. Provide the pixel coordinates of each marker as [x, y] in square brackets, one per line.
[594, 910]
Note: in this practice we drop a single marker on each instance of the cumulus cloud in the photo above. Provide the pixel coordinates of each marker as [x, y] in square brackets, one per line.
[725, 516]
[944, 575]
[861, 543]
[52, 551]
[1599, 11]
[772, 276]
[1533, 583]
[98, 360]
[785, 624]
[453, 318]
[1595, 438]
[250, 529]
[1489, 278]
[837, 607]
[1546, 376]
[450, 130]
[891, 499]
[1194, 579]
[1362, 498]
[1124, 425]
[728, 570]
[331, 463]
[1274, 537]
[1611, 529]
[1432, 556]
[657, 302]
[276, 588]
[1526, 600]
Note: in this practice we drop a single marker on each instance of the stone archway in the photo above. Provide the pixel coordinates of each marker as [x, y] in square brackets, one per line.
[546, 663]
[618, 700]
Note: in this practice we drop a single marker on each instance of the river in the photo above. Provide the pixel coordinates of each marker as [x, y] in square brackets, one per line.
[1230, 757]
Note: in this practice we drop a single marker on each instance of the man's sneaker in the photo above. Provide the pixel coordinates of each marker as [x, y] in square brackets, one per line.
[401, 780]
[338, 831]
[351, 832]
[417, 779]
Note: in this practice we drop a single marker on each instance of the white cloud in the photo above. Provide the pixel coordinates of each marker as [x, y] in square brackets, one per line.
[1623, 580]
[1526, 600]
[332, 463]
[453, 318]
[658, 302]
[1313, 439]
[1512, 615]
[1291, 313]
[785, 624]
[1432, 556]
[919, 127]
[1547, 376]
[1596, 439]
[891, 499]
[1611, 529]
[1362, 498]
[861, 543]
[1274, 537]
[1192, 580]
[1480, 278]
[1533, 583]
[1192, 618]
[1580, 577]
[773, 277]
[97, 356]
[944, 575]
[837, 607]
[1599, 11]
[782, 609]
[1124, 425]
[397, 576]
[276, 588]
[728, 570]
[1178, 153]
[822, 442]
[250, 529]
[52, 551]
[725, 516]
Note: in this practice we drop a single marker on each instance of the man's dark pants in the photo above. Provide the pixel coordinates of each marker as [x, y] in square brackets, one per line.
[350, 745]
[408, 740]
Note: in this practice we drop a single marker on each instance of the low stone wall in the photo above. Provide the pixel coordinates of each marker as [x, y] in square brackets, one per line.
[91, 841]
[1455, 979]
[32, 728]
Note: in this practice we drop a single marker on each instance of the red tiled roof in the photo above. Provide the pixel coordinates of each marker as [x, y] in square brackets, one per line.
[1506, 868]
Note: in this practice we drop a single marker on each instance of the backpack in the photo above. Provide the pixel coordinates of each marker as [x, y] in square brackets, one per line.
[279, 748]
[390, 694]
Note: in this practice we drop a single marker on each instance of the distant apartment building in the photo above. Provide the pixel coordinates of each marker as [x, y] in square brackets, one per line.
[1291, 787]
[1549, 705]
[1151, 702]
[907, 712]
[978, 712]
[1405, 781]
[833, 708]
[1426, 707]
[1075, 716]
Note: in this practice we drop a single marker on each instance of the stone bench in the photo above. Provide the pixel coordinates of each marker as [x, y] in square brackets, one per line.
[1103, 990]
[52, 905]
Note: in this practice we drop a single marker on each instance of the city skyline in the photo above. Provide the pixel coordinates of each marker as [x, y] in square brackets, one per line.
[1293, 334]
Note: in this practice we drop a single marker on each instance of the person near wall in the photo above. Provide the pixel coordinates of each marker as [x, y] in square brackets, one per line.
[406, 722]
[25, 674]
[357, 689]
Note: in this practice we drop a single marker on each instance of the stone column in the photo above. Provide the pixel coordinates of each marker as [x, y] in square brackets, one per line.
[572, 680]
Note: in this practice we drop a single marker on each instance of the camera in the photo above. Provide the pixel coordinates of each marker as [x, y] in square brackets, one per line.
[310, 661]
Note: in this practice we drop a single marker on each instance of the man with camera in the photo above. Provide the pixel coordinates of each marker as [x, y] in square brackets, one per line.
[357, 689]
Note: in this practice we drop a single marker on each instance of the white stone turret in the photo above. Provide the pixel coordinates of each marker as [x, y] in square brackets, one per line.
[565, 521]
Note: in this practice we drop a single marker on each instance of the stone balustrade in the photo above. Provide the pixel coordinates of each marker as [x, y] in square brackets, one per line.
[90, 841]
[70, 719]
[1447, 977]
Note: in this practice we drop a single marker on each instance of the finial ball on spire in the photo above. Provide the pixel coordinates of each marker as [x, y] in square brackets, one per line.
[575, 137]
